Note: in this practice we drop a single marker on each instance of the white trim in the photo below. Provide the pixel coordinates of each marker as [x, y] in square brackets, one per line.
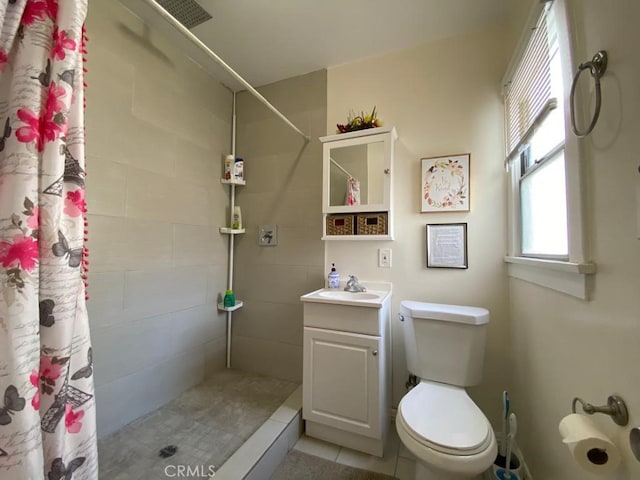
[574, 156]
[356, 237]
[566, 277]
[361, 133]
[558, 265]
[573, 277]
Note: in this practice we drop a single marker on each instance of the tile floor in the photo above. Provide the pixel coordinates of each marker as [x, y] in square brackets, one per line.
[397, 460]
[211, 421]
[207, 423]
[302, 466]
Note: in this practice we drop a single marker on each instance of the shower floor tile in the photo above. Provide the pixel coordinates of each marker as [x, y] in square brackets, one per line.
[207, 423]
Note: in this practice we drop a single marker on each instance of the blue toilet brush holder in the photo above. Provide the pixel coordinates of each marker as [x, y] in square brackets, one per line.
[500, 474]
[499, 468]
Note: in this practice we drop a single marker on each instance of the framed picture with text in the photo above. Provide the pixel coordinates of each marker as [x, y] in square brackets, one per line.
[447, 245]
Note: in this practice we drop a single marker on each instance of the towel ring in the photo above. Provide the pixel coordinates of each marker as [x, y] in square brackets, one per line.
[597, 66]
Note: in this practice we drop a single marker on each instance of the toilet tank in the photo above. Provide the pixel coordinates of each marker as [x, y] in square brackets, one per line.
[444, 343]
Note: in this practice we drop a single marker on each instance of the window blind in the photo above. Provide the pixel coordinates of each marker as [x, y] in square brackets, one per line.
[528, 92]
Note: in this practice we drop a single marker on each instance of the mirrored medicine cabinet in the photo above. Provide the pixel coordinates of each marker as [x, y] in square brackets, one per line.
[357, 187]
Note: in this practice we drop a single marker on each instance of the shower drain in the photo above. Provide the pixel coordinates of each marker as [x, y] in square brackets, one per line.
[168, 451]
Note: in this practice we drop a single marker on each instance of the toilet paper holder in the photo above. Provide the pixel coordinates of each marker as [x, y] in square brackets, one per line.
[615, 408]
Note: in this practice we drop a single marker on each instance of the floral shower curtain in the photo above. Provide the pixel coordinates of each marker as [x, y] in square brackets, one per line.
[47, 410]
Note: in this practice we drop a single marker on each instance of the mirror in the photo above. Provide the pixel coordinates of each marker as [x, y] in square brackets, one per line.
[356, 184]
[357, 174]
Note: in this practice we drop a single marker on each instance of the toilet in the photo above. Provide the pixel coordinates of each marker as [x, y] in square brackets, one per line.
[437, 421]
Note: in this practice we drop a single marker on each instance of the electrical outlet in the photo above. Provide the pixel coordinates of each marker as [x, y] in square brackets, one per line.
[384, 257]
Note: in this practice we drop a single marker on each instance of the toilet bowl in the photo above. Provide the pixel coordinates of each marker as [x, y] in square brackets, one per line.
[437, 420]
[449, 435]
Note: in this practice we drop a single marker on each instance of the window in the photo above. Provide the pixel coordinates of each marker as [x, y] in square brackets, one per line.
[542, 160]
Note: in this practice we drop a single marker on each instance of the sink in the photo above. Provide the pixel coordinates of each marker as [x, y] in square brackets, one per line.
[342, 295]
[375, 296]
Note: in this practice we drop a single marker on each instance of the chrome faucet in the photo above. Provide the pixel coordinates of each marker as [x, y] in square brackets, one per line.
[353, 285]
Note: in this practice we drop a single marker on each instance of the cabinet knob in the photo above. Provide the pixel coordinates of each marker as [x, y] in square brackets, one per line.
[375, 353]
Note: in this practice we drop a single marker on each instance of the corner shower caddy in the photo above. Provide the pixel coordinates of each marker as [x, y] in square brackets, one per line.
[232, 232]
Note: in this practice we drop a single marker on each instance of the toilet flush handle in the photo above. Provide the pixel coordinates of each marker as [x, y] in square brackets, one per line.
[401, 317]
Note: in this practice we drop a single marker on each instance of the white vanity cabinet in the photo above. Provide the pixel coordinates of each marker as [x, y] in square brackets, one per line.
[346, 380]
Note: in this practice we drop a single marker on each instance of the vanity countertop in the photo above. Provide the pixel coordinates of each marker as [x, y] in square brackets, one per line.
[375, 296]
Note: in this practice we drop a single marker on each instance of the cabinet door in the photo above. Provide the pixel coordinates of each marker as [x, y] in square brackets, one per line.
[342, 380]
[365, 155]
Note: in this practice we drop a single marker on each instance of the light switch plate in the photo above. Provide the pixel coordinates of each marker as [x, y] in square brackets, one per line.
[268, 235]
[384, 257]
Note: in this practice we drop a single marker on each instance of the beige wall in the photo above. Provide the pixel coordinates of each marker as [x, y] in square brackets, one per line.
[152, 312]
[444, 98]
[284, 187]
[157, 127]
[564, 347]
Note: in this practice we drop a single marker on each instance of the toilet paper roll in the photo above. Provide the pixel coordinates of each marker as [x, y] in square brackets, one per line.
[590, 448]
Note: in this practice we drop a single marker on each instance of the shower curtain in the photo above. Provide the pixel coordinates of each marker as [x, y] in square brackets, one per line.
[47, 411]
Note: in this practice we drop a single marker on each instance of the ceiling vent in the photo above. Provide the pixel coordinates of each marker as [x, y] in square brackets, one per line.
[187, 12]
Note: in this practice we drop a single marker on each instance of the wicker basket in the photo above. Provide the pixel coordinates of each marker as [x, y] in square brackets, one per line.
[372, 223]
[340, 225]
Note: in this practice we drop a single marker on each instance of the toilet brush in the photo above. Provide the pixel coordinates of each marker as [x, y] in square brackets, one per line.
[505, 415]
[513, 428]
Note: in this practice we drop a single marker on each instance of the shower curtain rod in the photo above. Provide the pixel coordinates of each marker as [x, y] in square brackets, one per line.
[187, 33]
[340, 167]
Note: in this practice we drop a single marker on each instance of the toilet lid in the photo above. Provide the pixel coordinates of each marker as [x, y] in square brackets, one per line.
[445, 418]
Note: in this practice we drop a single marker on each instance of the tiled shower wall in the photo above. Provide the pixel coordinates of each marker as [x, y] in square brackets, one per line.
[157, 129]
[284, 187]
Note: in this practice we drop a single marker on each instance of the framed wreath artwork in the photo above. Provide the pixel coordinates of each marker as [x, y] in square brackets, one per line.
[445, 183]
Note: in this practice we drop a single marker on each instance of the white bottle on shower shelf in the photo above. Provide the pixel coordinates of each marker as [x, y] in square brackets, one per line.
[228, 167]
[238, 169]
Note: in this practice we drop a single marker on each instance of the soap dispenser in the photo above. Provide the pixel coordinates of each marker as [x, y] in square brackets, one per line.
[333, 280]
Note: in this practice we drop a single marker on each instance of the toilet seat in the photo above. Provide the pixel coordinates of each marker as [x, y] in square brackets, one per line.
[445, 419]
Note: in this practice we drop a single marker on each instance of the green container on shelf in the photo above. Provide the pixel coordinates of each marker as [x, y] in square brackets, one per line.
[229, 299]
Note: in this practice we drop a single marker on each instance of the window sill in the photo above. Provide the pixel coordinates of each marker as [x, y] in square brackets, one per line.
[566, 277]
